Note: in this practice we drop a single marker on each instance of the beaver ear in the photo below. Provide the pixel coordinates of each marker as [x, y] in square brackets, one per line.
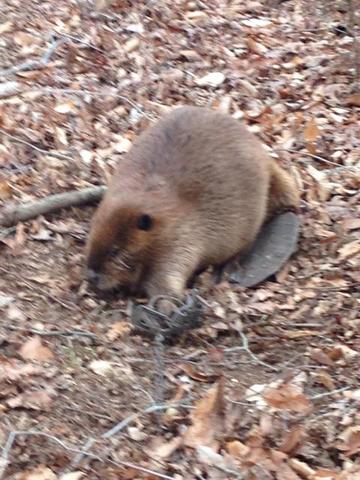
[145, 222]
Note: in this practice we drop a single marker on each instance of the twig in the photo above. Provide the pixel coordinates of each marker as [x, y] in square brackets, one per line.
[20, 213]
[316, 157]
[327, 394]
[245, 348]
[79, 40]
[55, 333]
[35, 64]
[34, 147]
[4, 460]
[82, 92]
[113, 431]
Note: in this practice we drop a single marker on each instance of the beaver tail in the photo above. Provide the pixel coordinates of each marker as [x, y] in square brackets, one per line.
[283, 193]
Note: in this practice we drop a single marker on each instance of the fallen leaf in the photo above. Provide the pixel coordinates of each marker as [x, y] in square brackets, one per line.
[5, 300]
[39, 473]
[190, 55]
[349, 250]
[101, 367]
[287, 397]
[208, 456]
[118, 330]
[311, 131]
[6, 27]
[165, 450]
[191, 371]
[292, 439]
[237, 449]
[324, 379]
[66, 107]
[353, 100]
[301, 468]
[136, 434]
[350, 224]
[255, 47]
[131, 45]
[12, 370]
[39, 400]
[213, 79]
[285, 472]
[8, 89]
[350, 440]
[72, 476]
[14, 313]
[207, 418]
[33, 349]
[321, 357]
[256, 22]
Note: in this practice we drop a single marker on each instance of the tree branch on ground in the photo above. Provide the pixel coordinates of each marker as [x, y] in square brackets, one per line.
[20, 213]
[35, 64]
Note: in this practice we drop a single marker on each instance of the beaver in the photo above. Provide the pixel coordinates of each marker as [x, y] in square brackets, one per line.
[192, 192]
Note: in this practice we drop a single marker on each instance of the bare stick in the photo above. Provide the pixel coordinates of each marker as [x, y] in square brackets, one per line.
[113, 431]
[11, 216]
[90, 93]
[4, 459]
[52, 333]
[34, 147]
[245, 348]
[35, 64]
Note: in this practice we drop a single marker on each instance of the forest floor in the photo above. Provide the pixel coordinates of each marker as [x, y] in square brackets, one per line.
[269, 386]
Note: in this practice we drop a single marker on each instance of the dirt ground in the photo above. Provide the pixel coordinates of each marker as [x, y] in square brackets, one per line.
[268, 386]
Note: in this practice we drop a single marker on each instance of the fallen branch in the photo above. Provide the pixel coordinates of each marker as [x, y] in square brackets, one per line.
[20, 213]
[34, 147]
[35, 64]
[4, 459]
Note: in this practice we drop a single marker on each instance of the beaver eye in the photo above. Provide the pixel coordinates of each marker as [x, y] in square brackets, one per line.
[145, 222]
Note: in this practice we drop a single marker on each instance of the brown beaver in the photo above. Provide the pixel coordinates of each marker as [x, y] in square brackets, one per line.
[193, 191]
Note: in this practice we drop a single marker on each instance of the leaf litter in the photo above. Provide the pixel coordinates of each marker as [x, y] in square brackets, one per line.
[71, 367]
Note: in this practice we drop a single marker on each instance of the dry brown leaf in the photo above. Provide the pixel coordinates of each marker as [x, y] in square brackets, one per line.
[25, 39]
[256, 47]
[301, 468]
[292, 439]
[349, 250]
[324, 379]
[321, 357]
[132, 44]
[66, 107]
[237, 449]
[285, 472]
[325, 474]
[5, 190]
[207, 418]
[350, 440]
[287, 397]
[39, 473]
[6, 27]
[33, 349]
[101, 367]
[190, 55]
[350, 224]
[212, 79]
[165, 450]
[11, 370]
[191, 371]
[39, 400]
[118, 330]
[353, 100]
[311, 131]
[72, 476]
